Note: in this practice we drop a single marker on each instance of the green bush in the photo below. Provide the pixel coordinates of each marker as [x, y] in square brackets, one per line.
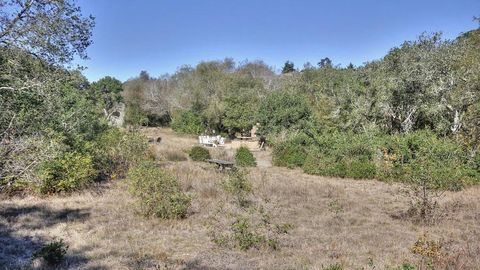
[238, 185]
[361, 169]
[66, 173]
[187, 122]
[135, 116]
[199, 153]
[318, 164]
[292, 152]
[282, 110]
[243, 235]
[244, 158]
[158, 193]
[53, 253]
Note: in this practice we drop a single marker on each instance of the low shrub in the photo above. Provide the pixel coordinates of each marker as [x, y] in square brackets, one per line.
[250, 231]
[53, 253]
[238, 185]
[66, 173]
[244, 158]
[158, 193]
[199, 153]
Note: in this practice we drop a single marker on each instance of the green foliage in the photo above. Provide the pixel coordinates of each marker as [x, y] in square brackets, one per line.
[240, 111]
[244, 158]
[66, 173]
[158, 193]
[288, 67]
[282, 110]
[199, 153]
[389, 157]
[53, 253]
[292, 152]
[187, 122]
[135, 116]
[237, 184]
[245, 238]
[115, 151]
[106, 92]
[247, 231]
[333, 267]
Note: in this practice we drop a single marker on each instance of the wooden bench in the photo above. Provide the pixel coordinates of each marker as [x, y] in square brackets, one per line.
[222, 164]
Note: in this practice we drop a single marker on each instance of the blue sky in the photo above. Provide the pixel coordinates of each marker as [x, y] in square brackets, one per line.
[161, 35]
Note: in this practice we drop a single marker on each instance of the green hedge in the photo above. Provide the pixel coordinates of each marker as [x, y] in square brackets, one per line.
[384, 157]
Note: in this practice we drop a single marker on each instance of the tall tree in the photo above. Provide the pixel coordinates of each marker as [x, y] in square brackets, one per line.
[54, 30]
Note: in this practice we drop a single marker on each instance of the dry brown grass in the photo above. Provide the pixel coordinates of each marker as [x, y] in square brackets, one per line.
[351, 222]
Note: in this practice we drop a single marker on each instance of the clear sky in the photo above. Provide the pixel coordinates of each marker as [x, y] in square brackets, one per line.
[161, 35]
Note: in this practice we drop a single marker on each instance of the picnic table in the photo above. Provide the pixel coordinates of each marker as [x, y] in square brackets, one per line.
[222, 164]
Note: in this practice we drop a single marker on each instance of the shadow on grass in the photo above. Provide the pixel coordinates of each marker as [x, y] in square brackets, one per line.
[16, 248]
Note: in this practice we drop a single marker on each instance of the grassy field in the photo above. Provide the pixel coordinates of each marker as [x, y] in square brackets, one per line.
[354, 223]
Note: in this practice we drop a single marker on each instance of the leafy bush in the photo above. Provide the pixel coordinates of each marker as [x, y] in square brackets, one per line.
[361, 169]
[53, 253]
[387, 157]
[158, 193]
[292, 152]
[66, 173]
[284, 111]
[135, 116]
[199, 153]
[244, 158]
[246, 232]
[116, 151]
[238, 185]
[187, 122]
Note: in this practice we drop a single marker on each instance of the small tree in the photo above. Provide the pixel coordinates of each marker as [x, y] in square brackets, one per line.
[288, 67]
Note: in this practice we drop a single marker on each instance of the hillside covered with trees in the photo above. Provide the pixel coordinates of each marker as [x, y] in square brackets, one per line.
[417, 106]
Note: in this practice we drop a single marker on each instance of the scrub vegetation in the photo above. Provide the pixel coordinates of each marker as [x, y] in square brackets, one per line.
[366, 167]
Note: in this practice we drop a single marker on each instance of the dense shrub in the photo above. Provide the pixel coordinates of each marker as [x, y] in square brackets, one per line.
[187, 122]
[199, 153]
[361, 169]
[53, 253]
[116, 151]
[390, 158]
[283, 110]
[66, 173]
[158, 193]
[444, 160]
[135, 116]
[292, 152]
[244, 158]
